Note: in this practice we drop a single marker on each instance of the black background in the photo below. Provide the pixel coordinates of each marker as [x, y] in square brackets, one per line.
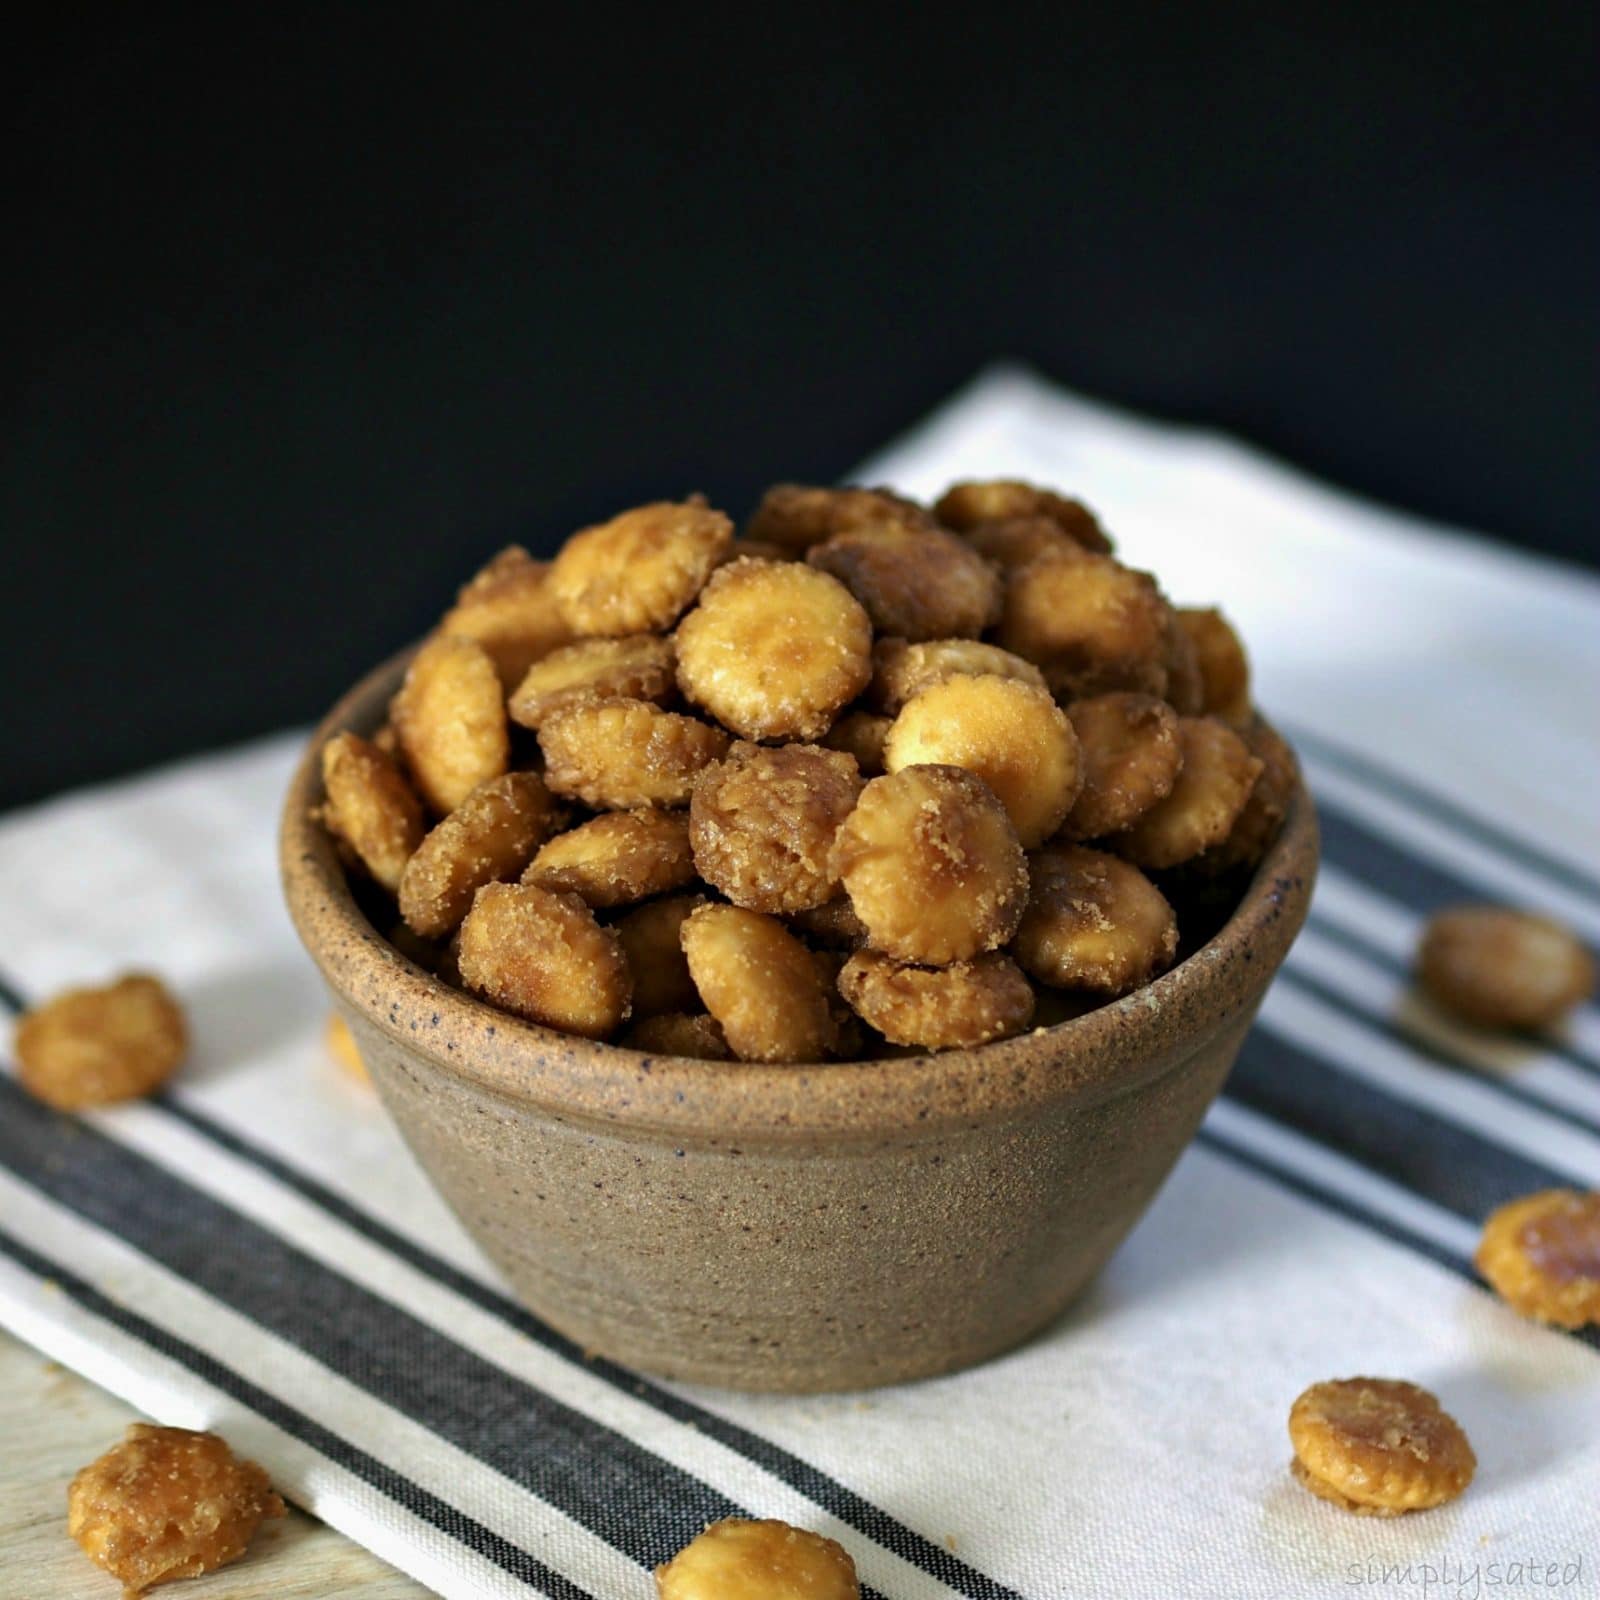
[307, 316]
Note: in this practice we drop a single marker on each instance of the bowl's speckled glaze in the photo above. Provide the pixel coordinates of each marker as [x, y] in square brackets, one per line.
[790, 1227]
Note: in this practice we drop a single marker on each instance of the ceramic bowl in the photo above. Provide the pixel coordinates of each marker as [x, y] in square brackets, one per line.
[793, 1228]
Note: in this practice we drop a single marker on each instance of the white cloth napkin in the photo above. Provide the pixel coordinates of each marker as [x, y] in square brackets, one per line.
[255, 1252]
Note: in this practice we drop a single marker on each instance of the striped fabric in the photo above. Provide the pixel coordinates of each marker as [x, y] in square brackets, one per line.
[253, 1250]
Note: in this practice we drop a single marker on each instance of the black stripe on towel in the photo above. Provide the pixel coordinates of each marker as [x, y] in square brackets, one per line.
[1285, 1177]
[1537, 1044]
[394, 1485]
[10, 997]
[1455, 1168]
[1411, 1039]
[1422, 886]
[1430, 803]
[640, 1503]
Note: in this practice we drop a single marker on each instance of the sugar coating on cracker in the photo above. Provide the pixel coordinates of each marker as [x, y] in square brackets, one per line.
[450, 719]
[616, 755]
[491, 836]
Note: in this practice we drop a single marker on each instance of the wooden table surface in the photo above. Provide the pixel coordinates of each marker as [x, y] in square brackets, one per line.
[52, 1423]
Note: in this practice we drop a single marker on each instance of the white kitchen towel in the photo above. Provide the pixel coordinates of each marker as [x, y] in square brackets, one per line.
[254, 1251]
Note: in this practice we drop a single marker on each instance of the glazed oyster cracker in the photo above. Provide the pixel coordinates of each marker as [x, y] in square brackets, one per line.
[774, 650]
[95, 1046]
[1501, 968]
[741, 1559]
[618, 858]
[763, 822]
[1541, 1255]
[167, 1503]
[1378, 1447]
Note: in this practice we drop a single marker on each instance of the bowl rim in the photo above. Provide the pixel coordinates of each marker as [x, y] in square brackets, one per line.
[1106, 1052]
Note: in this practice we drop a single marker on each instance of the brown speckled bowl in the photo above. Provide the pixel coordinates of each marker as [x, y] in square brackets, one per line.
[791, 1227]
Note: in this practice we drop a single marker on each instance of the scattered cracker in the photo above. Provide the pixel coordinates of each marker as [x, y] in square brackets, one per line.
[167, 1503]
[1541, 1255]
[94, 1046]
[1500, 968]
[738, 1559]
[1378, 1446]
